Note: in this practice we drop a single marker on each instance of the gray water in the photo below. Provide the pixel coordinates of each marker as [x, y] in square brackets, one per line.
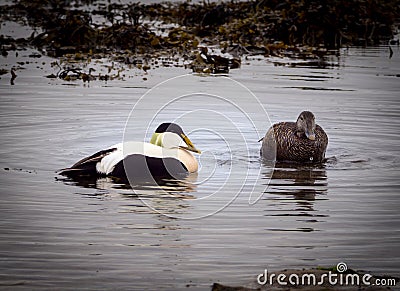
[61, 234]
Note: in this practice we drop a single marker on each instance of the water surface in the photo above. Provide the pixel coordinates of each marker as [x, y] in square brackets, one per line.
[62, 234]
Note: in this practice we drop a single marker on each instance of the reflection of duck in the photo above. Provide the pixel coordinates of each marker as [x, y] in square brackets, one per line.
[172, 186]
[300, 141]
[302, 184]
[297, 179]
[167, 155]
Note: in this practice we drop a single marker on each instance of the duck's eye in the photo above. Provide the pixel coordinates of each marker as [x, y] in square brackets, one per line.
[301, 118]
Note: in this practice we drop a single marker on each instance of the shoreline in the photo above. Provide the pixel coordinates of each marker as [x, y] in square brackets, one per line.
[270, 28]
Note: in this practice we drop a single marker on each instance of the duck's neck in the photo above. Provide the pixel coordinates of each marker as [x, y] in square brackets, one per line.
[156, 139]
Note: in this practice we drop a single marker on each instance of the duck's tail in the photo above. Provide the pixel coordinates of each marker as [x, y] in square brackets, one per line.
[75, 172]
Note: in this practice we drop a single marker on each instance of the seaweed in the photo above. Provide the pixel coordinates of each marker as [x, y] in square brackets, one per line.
[298, 29]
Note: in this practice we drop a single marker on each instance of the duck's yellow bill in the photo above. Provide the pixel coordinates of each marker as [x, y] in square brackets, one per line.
[190, 146]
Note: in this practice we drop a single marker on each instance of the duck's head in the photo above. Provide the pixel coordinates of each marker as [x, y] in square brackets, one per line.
[171, 135]
[306, 125]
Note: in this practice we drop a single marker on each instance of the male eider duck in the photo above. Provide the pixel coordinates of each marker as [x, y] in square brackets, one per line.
[302, 141]
[167, 155]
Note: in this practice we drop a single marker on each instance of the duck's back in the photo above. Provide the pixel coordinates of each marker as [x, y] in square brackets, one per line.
[282, 144]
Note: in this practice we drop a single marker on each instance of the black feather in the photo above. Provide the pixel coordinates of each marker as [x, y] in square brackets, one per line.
[86, 166]
[138, 167]
[169, 127]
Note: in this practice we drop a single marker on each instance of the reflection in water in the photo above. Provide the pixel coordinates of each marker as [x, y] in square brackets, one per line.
[164, 196]
[169, 185]
[302, 184]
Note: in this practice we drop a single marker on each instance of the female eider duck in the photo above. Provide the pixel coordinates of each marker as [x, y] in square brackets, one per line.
[167, 155]
[302, 141]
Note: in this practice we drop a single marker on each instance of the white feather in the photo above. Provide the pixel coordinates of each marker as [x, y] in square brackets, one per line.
[170, 140]
[108, 163]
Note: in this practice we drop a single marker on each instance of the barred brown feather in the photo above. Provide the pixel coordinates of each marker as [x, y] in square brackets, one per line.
[285, 141]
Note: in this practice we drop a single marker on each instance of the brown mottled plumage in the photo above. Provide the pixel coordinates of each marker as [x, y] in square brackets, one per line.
[301, 141]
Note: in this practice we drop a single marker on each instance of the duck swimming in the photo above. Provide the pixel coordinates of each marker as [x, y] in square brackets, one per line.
[167, 155]
[302, 141]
